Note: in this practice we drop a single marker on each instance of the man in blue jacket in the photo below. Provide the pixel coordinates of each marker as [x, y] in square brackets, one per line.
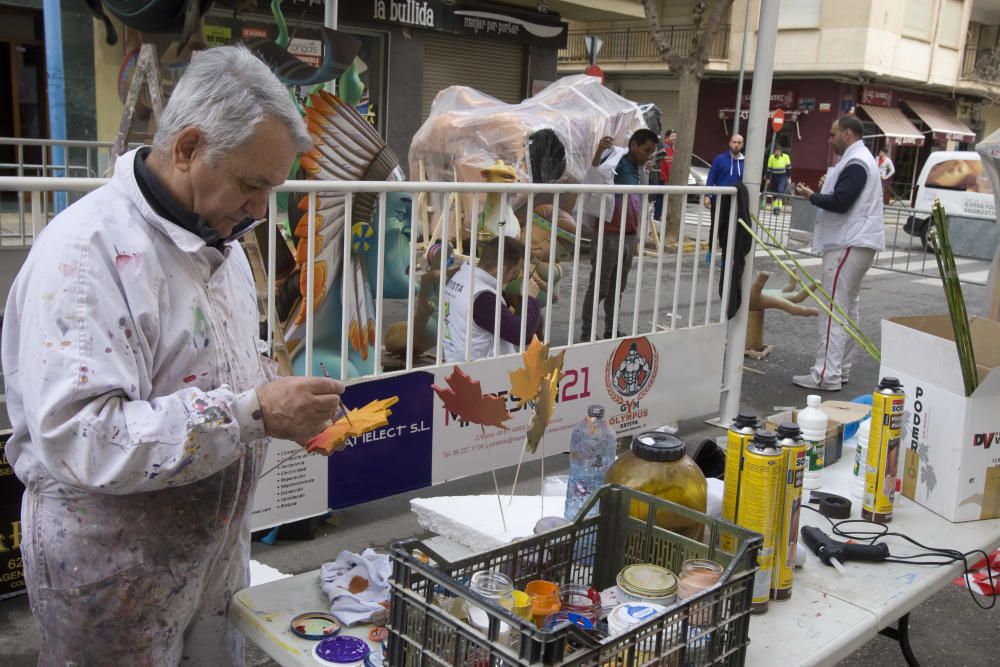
[727, 169]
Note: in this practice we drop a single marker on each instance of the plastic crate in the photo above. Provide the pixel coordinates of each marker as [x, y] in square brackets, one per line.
[589, 551]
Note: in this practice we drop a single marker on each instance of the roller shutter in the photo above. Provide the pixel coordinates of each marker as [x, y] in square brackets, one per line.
[495, 68]
[667, 100]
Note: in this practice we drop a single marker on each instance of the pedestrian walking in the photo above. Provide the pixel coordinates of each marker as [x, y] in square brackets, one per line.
[779, 167]
[886, 169]
[726, 169]
[616, 165]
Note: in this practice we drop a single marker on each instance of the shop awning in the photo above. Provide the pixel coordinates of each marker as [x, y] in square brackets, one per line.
[894, 125]
[943, 123]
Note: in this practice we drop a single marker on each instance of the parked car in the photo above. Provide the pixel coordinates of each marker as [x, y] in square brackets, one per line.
[958, 180]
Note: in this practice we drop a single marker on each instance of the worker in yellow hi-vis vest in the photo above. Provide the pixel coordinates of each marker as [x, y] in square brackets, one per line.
[779, 166]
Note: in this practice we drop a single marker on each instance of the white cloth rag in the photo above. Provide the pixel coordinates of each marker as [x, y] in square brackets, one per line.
[335, 581]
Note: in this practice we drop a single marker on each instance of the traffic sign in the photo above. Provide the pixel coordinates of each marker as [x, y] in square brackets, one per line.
[778, 120]
[595, 70]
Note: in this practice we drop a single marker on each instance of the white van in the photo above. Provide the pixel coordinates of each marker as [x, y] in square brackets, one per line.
[956, 178]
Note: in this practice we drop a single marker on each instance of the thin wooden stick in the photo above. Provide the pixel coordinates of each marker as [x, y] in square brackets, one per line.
[517, 472]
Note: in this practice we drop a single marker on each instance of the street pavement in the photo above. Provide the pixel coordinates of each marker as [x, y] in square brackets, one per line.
[947, 629]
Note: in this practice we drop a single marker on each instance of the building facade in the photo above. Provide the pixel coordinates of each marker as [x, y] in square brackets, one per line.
[922, 75]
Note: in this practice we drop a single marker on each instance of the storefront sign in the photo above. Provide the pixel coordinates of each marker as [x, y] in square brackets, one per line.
[468, 17]
[406, 12]
[642, 382]
[309, 51]
[11, 491]
[807, 103]
[780, 99]
[876, 96]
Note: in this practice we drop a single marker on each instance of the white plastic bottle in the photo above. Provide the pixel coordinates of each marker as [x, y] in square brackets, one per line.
[813, 422]
[861, 460]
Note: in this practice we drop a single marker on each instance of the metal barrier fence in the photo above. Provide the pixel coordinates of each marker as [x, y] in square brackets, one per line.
[792, 222]
[44, 158]
[674, 288]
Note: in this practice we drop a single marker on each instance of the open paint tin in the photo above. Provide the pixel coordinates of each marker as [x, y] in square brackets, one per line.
[343, 651]
[315, 625]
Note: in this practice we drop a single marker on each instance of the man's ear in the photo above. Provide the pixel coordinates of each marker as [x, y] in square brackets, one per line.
[187, 145]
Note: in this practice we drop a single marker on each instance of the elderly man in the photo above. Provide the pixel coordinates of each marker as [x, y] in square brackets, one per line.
[139, 400]
[849, 231]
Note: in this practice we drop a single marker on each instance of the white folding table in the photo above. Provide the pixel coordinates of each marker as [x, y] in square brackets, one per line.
[829, 615]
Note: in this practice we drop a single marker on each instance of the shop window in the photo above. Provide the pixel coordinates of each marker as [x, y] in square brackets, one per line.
[950, 28]
[918, 18]
[799, 14]
[306, 44]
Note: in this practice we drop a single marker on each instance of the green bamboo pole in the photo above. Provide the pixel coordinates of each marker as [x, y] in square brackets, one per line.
[814, 283]
[849, 325]
[940, 241]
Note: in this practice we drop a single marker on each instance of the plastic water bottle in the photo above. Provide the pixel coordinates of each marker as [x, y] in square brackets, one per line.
[813, 422]
[861, 460]
[592, 449]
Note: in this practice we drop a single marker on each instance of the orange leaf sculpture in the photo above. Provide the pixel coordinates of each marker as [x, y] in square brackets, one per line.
[544, 407]
[525, 383]
[464, 397]
[333, 438]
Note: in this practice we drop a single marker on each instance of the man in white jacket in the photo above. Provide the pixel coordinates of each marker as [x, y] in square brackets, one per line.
[138, 397]
[849, 231]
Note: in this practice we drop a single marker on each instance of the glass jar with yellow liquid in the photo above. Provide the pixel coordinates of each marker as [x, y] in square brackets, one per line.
[658, 464]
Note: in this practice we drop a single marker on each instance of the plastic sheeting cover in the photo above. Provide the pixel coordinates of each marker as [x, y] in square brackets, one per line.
[551, 136]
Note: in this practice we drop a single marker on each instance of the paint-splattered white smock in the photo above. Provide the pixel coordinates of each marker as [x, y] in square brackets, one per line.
[130, 358]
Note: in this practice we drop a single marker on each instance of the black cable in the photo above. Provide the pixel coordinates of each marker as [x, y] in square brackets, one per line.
[948, 556]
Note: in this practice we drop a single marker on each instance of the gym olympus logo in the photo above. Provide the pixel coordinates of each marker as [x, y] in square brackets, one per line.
[630, 371]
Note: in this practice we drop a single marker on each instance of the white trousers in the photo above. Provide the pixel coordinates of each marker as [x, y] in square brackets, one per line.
[843, 271]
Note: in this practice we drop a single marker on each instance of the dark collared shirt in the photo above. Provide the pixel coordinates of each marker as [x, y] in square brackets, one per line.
[167, 207]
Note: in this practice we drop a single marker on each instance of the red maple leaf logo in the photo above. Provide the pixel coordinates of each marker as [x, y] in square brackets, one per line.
[464, 398]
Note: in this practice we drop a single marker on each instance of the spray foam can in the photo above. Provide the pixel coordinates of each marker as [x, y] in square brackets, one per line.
[737, 438]
[795, 454]
[760, 487]
[883, 450]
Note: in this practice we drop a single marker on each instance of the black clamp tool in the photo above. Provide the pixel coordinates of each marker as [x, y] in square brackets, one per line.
[835, 553]
[831, 505]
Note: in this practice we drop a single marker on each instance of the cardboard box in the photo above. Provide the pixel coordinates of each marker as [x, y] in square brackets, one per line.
[950, 441]
[839, 413]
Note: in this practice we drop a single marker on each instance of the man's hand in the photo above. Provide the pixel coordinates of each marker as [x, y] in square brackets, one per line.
[707, 202]
[532, 287]
[603, 145]
[803, 190]
[297, 408]
[822, 180]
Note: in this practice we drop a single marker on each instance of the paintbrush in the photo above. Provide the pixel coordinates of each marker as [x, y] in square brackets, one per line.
[343, 407]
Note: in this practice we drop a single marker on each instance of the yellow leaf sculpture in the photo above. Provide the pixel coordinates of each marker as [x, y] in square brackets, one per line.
[526, 383]
[372, 416]
[545, 405]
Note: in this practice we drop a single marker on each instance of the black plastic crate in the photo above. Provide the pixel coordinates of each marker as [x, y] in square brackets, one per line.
[589, 551]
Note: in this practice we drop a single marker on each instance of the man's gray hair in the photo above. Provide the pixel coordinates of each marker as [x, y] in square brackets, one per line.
[225, 92]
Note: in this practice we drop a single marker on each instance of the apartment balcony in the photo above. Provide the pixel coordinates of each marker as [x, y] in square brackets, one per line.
[634, 45]
[980, 65]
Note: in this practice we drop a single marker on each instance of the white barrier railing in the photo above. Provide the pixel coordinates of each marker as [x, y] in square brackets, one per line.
[669, 283]
[66, 158]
